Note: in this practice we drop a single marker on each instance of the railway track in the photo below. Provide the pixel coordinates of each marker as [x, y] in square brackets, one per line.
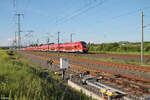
[133, 69]
[127, 57]
[125, 80]
[137, 71]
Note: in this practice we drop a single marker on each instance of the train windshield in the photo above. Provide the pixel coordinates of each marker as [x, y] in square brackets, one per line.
[84, 44]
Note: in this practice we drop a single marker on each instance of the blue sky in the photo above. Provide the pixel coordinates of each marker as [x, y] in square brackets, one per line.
[89, 20]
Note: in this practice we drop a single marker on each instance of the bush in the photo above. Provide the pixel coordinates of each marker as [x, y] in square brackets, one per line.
[147, 48]
[111, 47]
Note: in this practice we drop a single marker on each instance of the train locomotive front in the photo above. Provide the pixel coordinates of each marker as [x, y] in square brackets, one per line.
[84, 47]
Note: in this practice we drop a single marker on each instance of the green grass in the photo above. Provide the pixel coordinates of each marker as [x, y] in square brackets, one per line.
[110, 52]
[18, 81]
[131, 62]
[130, 53]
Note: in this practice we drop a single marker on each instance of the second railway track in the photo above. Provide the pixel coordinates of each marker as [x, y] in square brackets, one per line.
[127, 57]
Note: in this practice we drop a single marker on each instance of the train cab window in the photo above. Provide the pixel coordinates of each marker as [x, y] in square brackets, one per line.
[84, 45]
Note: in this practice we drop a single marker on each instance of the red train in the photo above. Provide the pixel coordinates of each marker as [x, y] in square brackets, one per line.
[66, 47]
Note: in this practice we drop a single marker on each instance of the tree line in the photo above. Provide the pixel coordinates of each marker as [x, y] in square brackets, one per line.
[117, 47]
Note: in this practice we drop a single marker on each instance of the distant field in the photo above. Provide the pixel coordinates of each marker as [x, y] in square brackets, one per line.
[20, 82]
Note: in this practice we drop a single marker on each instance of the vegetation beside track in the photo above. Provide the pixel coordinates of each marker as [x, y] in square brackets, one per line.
[116, 48]
[4, 48]
[19, 81]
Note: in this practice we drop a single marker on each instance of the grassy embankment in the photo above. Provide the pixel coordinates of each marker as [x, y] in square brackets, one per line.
[18, 81]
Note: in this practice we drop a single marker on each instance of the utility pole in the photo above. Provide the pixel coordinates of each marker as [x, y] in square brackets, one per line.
[37, 42]
[48, 43]
[71, 37]
[15, 40]
[19, 36]
[58, 41]
[142, 44]
[48, 46]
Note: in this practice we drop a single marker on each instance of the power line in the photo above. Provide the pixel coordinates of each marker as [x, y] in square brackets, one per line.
[83, 10]
[12, 22]
[14, 4]
[15, 7]
[79, 9]
[25, 8]
[73, 12]
[146, 26]
[128, 13]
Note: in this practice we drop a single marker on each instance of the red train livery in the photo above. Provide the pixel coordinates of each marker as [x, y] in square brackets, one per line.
[66, 47]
